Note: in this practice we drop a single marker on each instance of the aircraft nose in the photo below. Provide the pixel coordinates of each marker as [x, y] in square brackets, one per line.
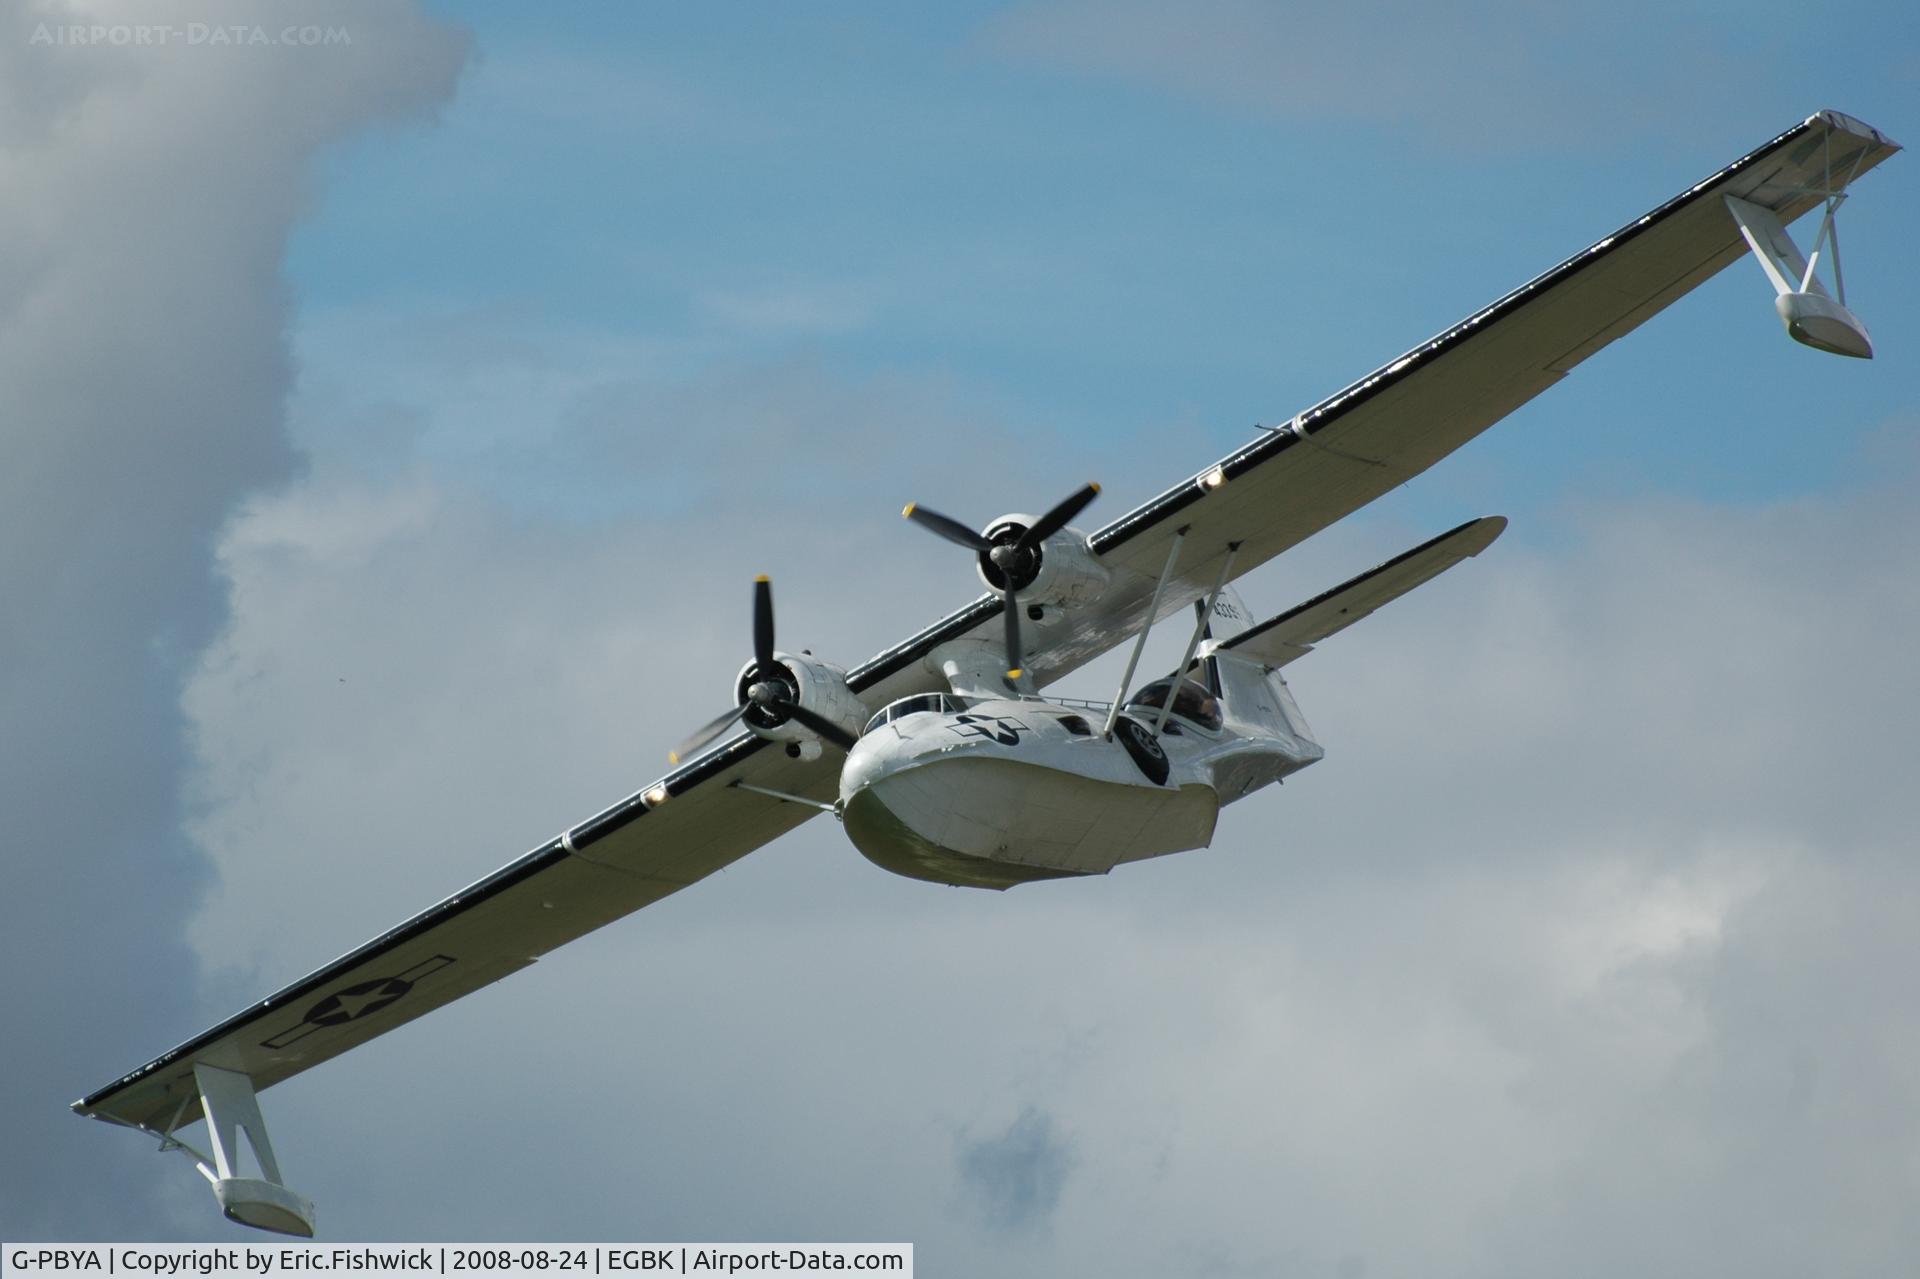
[863, 764]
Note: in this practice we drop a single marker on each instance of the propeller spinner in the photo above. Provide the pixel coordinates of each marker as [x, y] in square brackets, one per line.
[1009, 557]
[769, 692]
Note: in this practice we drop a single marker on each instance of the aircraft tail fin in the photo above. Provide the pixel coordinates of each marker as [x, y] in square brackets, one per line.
[1250, 693]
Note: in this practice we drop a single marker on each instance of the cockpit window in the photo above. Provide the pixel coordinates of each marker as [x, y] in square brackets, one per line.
[1191, 701]
[945, 703]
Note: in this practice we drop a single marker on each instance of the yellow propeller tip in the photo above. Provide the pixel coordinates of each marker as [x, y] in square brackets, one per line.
[762, 578]
[1016, 673]
[906, 512]
[673, 757]
[1094, 485]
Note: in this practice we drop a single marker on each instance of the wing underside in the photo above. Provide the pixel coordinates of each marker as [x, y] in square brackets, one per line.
[630, 856]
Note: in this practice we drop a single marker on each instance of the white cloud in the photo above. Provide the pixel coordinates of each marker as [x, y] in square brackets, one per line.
[151, 192]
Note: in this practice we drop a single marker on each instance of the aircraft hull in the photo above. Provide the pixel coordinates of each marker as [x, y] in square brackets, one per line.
[983, 821]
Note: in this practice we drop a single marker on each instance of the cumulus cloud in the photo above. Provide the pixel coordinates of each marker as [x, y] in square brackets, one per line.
[142, 345]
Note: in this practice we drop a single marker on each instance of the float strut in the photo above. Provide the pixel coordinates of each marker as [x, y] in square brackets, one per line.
[233, 1114]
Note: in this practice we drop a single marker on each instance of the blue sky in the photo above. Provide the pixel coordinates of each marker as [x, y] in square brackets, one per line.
[435, 398]
[1096, 252]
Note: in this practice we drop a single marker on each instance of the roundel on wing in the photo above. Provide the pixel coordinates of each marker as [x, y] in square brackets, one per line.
[357, 1001]
[1144, 748]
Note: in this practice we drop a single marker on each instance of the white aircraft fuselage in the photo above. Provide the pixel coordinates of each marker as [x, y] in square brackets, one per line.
[995, 792]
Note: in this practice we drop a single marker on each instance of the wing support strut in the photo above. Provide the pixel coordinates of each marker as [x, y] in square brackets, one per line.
[786, 798]
[1199, 630]
[1153, 611]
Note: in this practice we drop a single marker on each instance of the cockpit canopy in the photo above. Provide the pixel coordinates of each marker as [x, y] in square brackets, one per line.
[1191, 701]
[945, 703]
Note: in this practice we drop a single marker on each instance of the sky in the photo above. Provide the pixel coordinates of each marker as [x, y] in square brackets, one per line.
[395, 427]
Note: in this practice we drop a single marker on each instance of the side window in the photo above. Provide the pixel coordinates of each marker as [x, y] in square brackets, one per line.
[1194, 702]
[1152, 694]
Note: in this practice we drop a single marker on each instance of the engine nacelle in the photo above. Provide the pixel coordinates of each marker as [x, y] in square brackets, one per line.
[819, 686]
[1061, 571]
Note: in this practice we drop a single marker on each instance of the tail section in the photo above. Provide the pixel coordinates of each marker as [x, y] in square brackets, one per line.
[1242, 658]
[1251, 694]
[1292, 634]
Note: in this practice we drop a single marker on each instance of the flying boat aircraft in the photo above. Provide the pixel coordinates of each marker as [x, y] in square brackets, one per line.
[943, 756]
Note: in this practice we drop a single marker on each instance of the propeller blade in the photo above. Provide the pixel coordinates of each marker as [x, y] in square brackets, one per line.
[711, 730]
[1056, 519]
[762, 623]
[1012, 614]
[1009, 561]
[951, 529]
[770, 695]
[821, 724]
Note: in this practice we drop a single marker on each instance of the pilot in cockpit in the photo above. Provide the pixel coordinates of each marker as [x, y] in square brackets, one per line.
[1191, 701]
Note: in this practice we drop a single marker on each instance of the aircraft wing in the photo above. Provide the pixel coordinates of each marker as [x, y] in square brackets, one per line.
[1332, 459]
[678, 831]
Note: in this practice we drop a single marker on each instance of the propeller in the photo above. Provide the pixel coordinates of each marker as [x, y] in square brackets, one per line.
[1010, 557]
[770, 695]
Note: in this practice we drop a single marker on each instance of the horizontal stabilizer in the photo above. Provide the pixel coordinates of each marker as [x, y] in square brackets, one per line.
[1279, 640]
